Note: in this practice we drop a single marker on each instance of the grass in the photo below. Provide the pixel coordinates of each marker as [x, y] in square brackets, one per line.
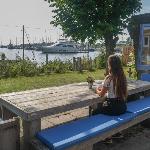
[28, 83]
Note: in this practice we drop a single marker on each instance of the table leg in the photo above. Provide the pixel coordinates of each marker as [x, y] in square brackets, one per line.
[147, 93]
[90, 110]
[7, 114]
[95, 109]
[10, 134]
[0, 112]
[30, 128]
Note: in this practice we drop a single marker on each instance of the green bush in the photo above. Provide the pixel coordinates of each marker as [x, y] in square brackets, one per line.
[28, 68]
[100, 60]
[132, 66]
[18, 68]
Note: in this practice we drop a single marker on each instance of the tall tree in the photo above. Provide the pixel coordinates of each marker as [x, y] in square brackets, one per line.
[94, 19]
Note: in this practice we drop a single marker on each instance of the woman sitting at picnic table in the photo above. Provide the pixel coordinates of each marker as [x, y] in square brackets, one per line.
[115, 86]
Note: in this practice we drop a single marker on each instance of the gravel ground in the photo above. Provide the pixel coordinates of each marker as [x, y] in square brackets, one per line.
[135, 138]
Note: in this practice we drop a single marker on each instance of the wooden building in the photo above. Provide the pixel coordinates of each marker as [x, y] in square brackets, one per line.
[139, 30]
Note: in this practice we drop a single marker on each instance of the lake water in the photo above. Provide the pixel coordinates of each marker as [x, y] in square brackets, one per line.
[41, 57]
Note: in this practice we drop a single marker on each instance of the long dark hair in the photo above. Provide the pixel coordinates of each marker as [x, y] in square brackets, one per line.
[118, 76]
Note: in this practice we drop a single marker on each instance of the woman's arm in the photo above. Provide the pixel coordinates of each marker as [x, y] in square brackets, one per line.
[101, 91]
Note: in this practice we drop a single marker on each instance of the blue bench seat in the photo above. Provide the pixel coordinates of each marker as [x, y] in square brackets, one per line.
[66, 135]
[145, 77]
[63, 136]
[139, 106]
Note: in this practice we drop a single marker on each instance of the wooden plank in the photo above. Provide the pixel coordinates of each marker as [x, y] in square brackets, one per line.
[48, 103]
[29, 98]
[22, 96]
[64, 102]
[43, 93]
[48, 98]
[60, 109]
[66, 99]
[41, 90]
[138, 89]
[16, 110]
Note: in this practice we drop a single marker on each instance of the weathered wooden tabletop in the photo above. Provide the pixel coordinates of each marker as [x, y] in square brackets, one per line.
[34, 104]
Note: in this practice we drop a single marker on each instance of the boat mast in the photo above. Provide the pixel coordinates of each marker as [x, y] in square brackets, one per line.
[16, 42]
[23, 42]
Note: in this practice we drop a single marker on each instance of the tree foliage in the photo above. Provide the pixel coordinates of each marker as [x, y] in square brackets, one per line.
[94, 19]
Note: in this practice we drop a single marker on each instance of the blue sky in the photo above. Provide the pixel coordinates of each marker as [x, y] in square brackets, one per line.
[145, 6]
[35, 15]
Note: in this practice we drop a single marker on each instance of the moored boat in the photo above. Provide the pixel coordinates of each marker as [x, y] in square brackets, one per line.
[62, 46]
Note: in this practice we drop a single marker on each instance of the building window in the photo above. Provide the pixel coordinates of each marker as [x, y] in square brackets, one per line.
[146, 41]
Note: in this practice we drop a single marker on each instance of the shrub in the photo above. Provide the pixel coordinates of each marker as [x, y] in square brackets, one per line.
[100, 60]
[132, 66]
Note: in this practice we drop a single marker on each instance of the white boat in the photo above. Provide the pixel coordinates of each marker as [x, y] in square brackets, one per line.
[62, 46]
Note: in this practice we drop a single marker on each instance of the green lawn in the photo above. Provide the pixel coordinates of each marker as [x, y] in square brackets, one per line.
[27, 83]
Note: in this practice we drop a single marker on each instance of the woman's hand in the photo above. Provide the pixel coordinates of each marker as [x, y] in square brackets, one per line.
[98, 90]
[101, 91]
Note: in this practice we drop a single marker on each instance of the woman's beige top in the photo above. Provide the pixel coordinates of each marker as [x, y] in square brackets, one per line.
[108, 83]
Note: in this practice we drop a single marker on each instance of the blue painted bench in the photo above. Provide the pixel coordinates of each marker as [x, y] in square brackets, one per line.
[83, 133]
[145, 77]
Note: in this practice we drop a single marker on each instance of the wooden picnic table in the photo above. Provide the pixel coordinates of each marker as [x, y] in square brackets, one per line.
[32, 105]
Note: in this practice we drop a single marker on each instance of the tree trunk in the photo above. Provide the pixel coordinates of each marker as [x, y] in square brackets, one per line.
[110, 44]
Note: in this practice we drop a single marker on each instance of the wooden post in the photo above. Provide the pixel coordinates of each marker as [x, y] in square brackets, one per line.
[79, 64]
[30, 128]
[90, 64]
[46, 58]
[23, 42]
[74, 64]
[95, 63]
